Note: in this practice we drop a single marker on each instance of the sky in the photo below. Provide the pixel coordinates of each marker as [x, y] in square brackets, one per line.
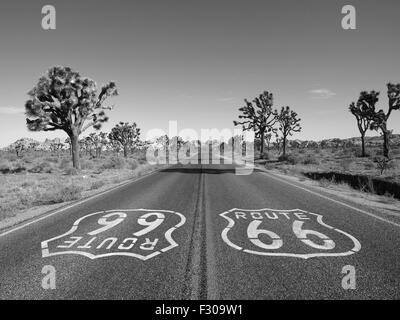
[195, 62]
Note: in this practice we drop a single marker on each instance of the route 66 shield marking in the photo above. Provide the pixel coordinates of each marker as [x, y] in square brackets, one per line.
[285, 233]
[138, 233]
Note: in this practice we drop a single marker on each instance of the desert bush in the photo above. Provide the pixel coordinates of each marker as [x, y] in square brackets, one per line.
[43, 167]
[382, 164]
[5, 166]
[369, 165]
[51, 159]
[345, 164]
[114, 162]
[309, 159]
[28, 159]
[97, 185]
[289, 158]
[132, 164]
[87, 164]
[71, 171]
[367, 186]
[325, 183]
[65, 164]
[59, 194]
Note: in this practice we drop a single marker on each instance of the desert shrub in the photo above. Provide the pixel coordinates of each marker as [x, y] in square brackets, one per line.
[325, 183]
[87, 164]
[367, 186]
[65, 163]
[71, 171]
[28, 159]
[383, 164]
[59, 194]
[289, 158]
[18, 166]
[5, 166]
[43, 167]
[97, 185]
[51, 159]
[132, 164]
[309, 159]
[369, 165]
[114, 163]
[345, 164]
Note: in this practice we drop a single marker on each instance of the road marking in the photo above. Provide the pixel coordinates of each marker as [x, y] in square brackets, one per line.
[75, 204]
[250, 241]
[142, 252]
[333, 200]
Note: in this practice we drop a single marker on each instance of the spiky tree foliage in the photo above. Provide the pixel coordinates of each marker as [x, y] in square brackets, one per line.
[259, 116]
[362, 111]
[288, 124]
[97, 141]
[380, 118]
[126, 134]
[20, 146]
[86, 145]
[65, 100]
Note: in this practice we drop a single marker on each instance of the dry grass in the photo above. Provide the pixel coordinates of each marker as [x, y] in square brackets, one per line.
[46, 179]
[300, 161]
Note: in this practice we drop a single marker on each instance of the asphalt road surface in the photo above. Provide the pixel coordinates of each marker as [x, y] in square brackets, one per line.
[203, 232]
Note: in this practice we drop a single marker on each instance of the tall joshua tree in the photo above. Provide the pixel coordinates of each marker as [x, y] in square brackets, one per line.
[380, 118]
[261, 118]
[288, 124]
[126, 134]
[363, 111]
[64, 100]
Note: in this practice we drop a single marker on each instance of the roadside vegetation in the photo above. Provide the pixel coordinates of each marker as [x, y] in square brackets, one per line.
[43, 178]
[367, 164]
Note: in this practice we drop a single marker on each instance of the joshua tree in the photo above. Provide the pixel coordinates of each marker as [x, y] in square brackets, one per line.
[363, 110]
[97, 141]
[288, 124]
[164, 141]
[176, 142]
[380, 118]
[261, 118]
[68, 142]
[126, 134]
[64, 100]
[19, 146]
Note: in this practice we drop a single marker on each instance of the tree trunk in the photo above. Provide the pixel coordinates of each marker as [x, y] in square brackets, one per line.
[75, 151]
[284, 146]
[262, 144]
[363, 146]
[125, 151]
[385, 143]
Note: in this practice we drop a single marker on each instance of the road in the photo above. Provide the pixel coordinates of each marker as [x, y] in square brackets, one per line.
[282, 243]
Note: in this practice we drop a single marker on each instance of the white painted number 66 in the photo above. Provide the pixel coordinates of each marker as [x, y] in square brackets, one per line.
[253, 234]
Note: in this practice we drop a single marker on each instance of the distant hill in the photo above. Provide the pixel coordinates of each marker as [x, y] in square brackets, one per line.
[349, 142]
[28, 143]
